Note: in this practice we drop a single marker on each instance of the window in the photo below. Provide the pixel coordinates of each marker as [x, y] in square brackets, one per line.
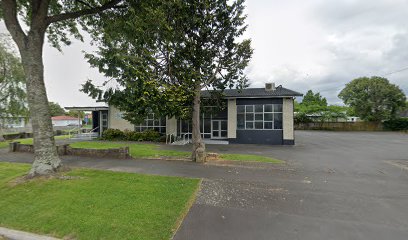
[261, 116]
[152, 122]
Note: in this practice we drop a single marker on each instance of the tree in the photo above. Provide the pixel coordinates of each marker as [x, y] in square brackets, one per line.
[56, 109]
[373, 99]
[80, 114]
[312, 102]
[162, 65]
[58, 19]
[12, 86]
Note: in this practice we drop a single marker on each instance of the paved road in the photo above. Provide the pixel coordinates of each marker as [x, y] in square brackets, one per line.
[336, 186]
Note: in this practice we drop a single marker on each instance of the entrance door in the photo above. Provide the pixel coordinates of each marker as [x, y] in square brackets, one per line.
[219, 129]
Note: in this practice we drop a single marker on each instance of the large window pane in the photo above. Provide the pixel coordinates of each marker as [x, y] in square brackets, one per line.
[249, 117]
[268, 108]
[259, 116]
[258, 108]
[258, 125]
[241, 121]
[249, 125]
[277, 120]
[241, 109]
[277, 107]
[249, 108]
[268, 117]
[223, 125]
[267, 125]
[207, 125]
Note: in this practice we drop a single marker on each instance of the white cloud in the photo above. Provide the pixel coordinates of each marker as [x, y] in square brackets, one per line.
[314, 44]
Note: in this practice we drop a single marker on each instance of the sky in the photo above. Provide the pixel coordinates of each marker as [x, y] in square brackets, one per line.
[301, 45]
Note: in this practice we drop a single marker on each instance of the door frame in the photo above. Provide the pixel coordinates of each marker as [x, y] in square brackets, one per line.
[219, 129]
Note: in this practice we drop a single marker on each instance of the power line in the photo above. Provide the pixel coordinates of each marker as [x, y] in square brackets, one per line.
[397, 71]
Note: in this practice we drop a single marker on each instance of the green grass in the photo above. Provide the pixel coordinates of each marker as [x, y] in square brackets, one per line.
[140, 150]
[30, 140]
[4, 144]
[250, 158]
[98, 205]
[137, 150]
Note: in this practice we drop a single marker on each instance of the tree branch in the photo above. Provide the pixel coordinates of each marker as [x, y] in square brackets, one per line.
[89, 11]
[9, 8]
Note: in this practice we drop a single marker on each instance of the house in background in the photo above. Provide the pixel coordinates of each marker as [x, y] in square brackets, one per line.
[62, 121]
[13, 122]
[252, 115]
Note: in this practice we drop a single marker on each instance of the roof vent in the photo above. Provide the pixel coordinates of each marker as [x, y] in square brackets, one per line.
[270, 87]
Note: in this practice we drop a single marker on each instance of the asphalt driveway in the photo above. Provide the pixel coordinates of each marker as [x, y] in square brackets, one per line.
[344, 185]
[337, 185]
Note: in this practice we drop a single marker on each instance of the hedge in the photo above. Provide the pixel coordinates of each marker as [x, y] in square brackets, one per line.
[127, 135]
[398, 124]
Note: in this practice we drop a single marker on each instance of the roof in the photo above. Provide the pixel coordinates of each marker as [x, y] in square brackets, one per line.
[58, 118]
[256, 93]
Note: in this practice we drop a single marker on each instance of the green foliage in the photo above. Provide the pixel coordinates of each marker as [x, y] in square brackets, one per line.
[56, 109]
[13, 102]
[95, 204]
[313, 104]
[311, 99]
[160, 51]
[116, 134]
[73, 113]
[373, 99]
[397, 124]
[112, 134]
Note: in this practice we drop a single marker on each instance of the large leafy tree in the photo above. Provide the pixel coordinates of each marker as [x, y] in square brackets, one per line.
[373, 99]
[12, 84]
[56, 109]
[29, 21]
[315, 104]
[167, 54]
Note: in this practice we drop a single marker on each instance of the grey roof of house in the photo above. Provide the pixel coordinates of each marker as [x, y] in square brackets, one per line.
[256, 93]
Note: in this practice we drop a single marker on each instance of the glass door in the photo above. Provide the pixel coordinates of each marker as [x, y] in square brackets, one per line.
[219, 129]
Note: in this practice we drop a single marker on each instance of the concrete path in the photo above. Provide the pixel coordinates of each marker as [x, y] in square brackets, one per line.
[10, 234]
[336, 186]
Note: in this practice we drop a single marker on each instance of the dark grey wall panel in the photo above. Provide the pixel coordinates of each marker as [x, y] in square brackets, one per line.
[273, 137]
[288, 142]
[253, 101]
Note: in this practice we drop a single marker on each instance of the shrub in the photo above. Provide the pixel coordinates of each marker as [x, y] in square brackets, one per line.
[397, 124]
[127, 135]
[112, 134]
[150, 135]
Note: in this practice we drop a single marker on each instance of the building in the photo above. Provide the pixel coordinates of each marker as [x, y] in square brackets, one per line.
[252, 115]
[13, 122]
[62, 121]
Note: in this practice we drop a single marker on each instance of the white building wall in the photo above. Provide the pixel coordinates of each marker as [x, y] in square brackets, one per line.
[288, 130]
[117, 122]
[232, 118]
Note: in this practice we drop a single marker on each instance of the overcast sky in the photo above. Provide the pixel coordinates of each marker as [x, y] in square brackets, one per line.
[301, 45]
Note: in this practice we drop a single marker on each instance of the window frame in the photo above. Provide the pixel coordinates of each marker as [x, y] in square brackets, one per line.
[255, 119]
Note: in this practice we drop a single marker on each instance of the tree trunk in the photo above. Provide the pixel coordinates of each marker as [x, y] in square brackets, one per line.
[46, 159]
[199, 154]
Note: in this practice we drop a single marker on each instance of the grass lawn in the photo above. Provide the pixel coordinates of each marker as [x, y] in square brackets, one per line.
[142, 150]
[96, 205]
[30, 140]
[4, 144]
[137, 150]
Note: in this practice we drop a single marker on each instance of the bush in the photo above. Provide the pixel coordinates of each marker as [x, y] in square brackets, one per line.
[150, 135]
[116, 134]
[112, 134]
[397, 124]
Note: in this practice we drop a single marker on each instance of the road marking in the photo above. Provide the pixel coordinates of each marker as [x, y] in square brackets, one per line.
[397, 164]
